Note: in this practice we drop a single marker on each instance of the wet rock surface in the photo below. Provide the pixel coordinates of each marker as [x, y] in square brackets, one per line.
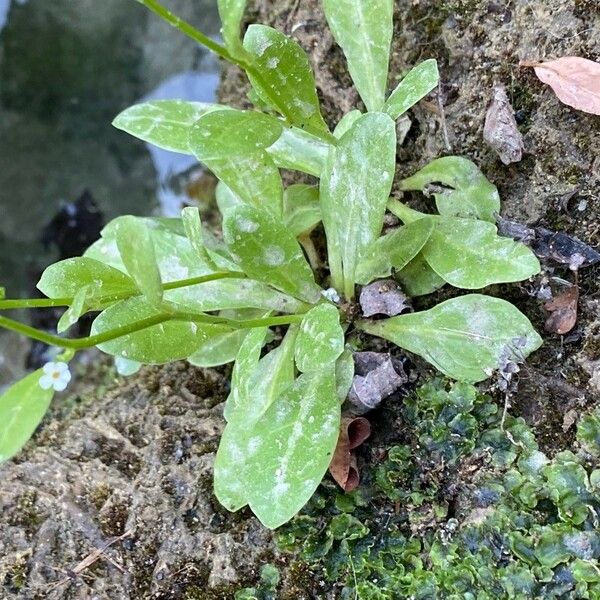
[139, 457]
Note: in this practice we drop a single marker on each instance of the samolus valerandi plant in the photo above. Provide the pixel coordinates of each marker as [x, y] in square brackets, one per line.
[168, 289]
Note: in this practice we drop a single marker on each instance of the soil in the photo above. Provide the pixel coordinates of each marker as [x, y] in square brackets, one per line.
[135, 456]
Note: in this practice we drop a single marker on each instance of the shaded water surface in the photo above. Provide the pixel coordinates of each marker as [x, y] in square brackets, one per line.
[67, 67]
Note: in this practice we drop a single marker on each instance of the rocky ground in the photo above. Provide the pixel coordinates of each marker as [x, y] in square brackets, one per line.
[133, 458]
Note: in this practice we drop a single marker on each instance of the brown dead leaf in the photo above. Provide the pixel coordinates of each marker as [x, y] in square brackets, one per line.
[383, 297]
[377, 375]
[500, 130]
[563, 309]
[575, 80]
[344, 468]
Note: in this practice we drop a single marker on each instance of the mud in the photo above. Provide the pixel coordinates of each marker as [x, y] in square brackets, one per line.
[136, 456]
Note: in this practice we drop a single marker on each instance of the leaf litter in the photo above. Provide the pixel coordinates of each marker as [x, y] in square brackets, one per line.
[344, 465]
[574, 80]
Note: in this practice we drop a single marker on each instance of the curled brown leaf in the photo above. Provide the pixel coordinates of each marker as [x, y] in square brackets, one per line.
[344, 468]
[575, 81]
[563, 311]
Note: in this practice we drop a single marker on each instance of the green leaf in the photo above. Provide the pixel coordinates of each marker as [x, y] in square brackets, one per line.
[346, 123]
[226, 199]
[232, 13]
[301, 210]
[355, 186]
[65, 278]
[267, 251]
[468, 193]
[192, 225]
[223, 348]
[419, 81]
[255, 387]
[469, 254]
[299, 151]
[363, 28]
[159, 344]
[232, 144]
[22, 407]
[286, 73]
[246, 363]
[418, 278]
[137, 253]
[232, 294]
[174, 253]
[75, 310]
[344, 374]
[588, 433]
[298, 435]
[393, 251]
[164, 123]
[466, 338]
[320, 339]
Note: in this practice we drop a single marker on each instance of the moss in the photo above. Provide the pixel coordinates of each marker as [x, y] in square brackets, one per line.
[465, 505]
[25, 512]
[99, 495]
[13, 577]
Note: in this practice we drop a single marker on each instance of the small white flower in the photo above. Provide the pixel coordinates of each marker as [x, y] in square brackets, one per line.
[56, 375]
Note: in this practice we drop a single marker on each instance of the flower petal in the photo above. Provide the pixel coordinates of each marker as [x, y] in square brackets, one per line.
[60, 385]
[46, 382]
[49, 368]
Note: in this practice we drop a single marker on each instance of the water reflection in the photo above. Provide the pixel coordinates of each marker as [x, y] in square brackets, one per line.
[201, 87]
[66, 69]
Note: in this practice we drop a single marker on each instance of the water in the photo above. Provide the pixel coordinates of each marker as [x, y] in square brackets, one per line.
[66, 69]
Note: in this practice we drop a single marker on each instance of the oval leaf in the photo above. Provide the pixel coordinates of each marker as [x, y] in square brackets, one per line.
[231, 294]
[418, 278]
[267, 251]
[286, 73]
[299, 151]
[232, 144]
[22, 407]
[419, 81]
[466, 338]
[299, 434]
[164, 123]
[301, 210]
[575, 80]
[363, 28]
[137, 253]
[355, 186]
[470, 193]
[175, 256]
[159, 344]
[64, 279]
[469, 254]
[320, 339]
[393, 251]
[225, 347]
[256, 385]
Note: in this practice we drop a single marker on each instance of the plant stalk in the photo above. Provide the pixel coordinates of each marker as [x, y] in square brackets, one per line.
[403, 212]
[202, 39]
[112, 334]
[62, 302]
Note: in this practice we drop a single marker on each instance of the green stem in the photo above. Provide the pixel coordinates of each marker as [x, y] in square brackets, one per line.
[221, 51]
[103, 300]
[403, 212]
[112, 334]
[189, 30]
